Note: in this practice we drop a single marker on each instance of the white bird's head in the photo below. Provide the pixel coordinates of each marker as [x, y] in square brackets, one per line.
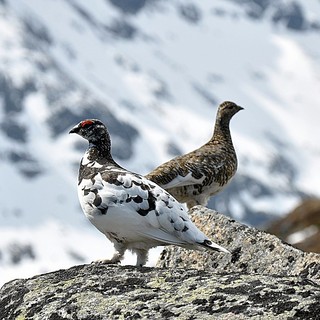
[92, 130]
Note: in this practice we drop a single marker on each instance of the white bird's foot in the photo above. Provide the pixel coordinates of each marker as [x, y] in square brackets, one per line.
[107, 261]
[116, 259]
[142, 257]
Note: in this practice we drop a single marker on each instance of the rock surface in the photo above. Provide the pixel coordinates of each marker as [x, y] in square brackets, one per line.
[262, 278]
[95, 292]
[252, 251]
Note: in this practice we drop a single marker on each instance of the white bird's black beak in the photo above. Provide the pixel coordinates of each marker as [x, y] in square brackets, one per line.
[75, 129]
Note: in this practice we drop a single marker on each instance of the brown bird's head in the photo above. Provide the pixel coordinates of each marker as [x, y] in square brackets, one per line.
[226, 111]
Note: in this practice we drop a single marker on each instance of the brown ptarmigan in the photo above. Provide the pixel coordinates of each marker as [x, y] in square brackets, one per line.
[133, 212]
[196, 176]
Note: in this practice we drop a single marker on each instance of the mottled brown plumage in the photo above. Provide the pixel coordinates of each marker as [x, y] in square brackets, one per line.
[196, 176]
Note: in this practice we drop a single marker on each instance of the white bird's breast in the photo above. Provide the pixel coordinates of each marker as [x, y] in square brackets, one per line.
[89, 163]
[96, 197]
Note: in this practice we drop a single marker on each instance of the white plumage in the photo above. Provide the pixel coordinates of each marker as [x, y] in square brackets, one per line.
[133, 212]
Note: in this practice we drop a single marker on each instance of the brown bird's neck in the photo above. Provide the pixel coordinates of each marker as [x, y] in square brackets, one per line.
[222, 132]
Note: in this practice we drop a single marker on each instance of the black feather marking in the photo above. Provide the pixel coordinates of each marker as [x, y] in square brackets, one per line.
[137, 199]
[128, 187]
[112, 177]
[116, 182]
[86, 172]
[166, 202]
[97, 200]
[113, 235]
[152, 205]
[103, 210]
[144, 187]
[143, 212]
[185, 229]
[86, 191]
[207, 243]
[152, 201]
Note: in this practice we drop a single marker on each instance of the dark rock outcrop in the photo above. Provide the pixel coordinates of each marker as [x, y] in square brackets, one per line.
[263, 278]
[252, 251]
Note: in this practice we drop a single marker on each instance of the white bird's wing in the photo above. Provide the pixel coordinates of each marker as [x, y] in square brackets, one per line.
[141, 207]
[164, 218]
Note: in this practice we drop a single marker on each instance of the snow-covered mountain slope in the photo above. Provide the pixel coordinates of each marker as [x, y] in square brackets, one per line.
[154, 71]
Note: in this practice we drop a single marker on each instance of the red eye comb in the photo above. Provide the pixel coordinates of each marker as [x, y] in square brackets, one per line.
[86, 123]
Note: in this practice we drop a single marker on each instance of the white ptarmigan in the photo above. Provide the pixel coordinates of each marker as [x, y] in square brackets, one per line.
[196, 176]
[133, 212]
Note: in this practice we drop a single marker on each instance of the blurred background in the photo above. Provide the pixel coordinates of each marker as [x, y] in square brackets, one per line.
[154, 71]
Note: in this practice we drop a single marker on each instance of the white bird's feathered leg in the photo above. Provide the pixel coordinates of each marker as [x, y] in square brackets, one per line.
[142, 257]
[117, 256]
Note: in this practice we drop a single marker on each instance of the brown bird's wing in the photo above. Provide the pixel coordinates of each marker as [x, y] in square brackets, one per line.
[191, 169]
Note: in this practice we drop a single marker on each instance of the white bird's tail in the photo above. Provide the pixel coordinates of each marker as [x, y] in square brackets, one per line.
[208, 244]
